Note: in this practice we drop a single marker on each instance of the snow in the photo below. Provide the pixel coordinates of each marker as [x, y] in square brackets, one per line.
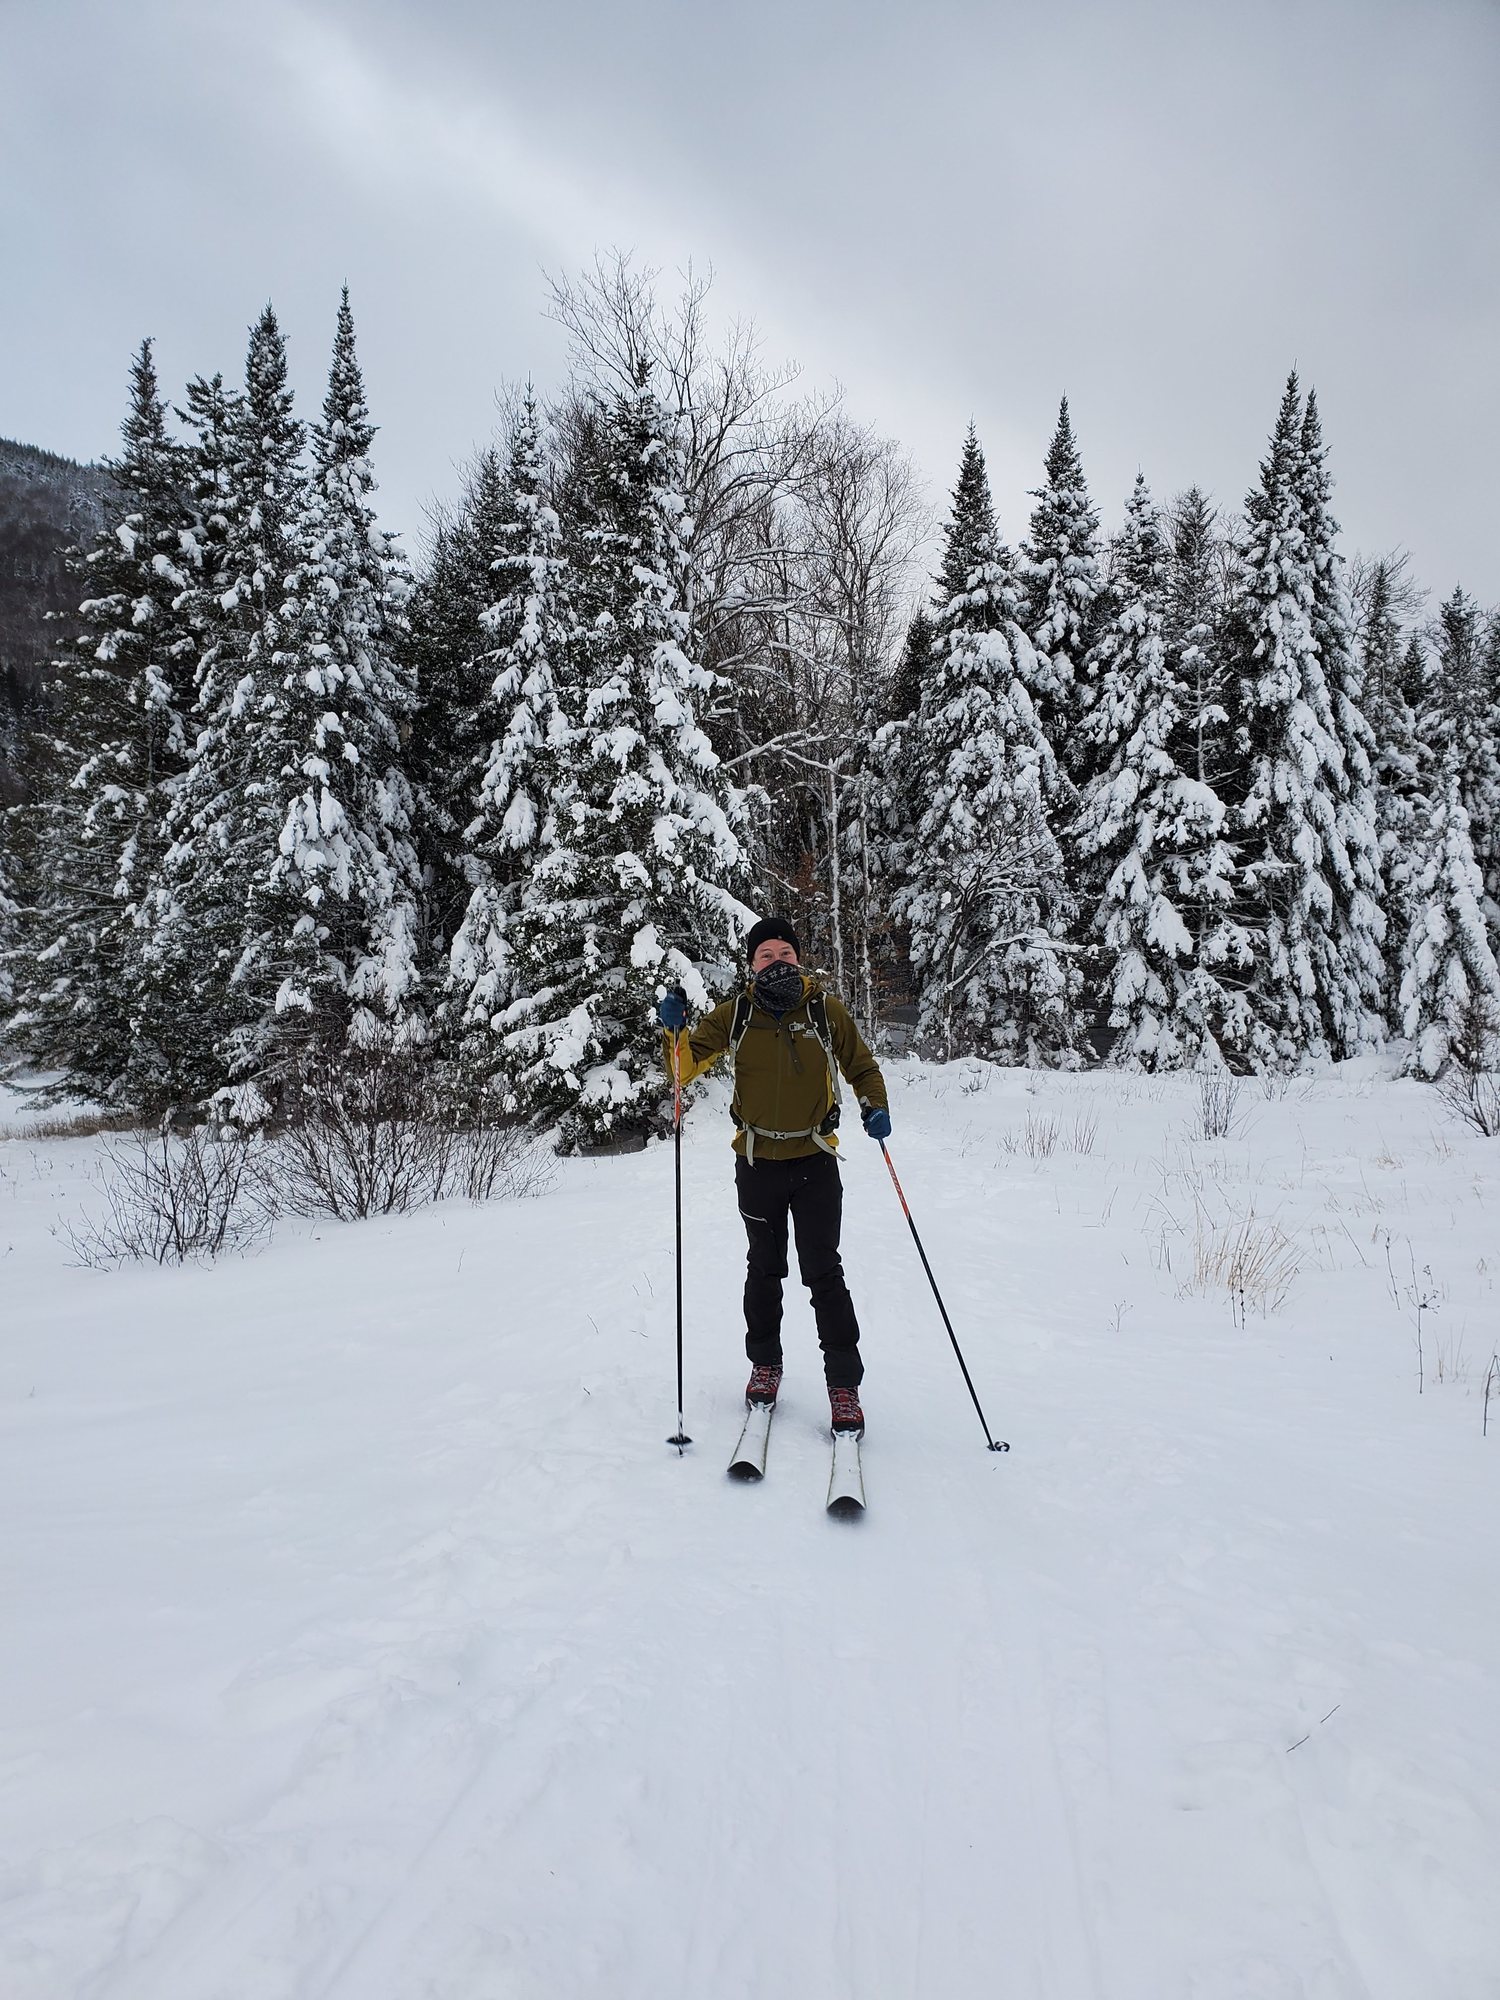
[365, 1640]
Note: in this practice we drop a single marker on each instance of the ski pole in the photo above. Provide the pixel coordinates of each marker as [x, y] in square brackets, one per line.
[993, 1443]
[682, 1440]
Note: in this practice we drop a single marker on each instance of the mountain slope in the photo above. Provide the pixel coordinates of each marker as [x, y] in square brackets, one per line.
[47, 504]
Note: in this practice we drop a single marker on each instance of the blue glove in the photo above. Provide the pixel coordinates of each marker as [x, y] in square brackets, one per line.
[877, 1121]
[671, 1010]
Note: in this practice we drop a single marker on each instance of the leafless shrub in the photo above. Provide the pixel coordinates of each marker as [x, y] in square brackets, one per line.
[1473, 1097]
[168, 1201]
[1219, 1113]
[1469, 1085]
[361, 1139]
[497, 1161]
[378, 1129]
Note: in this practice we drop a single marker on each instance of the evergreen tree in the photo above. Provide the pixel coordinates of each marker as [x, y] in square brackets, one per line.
[1192, 632]
[894, 780]
[448, 651]
[88, 1007]
[531, 740]
[1490, 695]
[1395, 682]
[1352, 973]
[1293, 767]
[346, 861]
[1380, 651]
[1460, 723]
[1449, 977]
[972, 541]
[1065, 597]
[1155, 831]
[255, 961]
[638, 848]
[188, 924]
[912, 668]
[984, 897]
[10, 917]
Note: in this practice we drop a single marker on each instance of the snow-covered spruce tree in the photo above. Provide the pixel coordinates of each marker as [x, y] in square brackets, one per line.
[1490, 691]
[1379, 641]
[1064, 587]
[10, 920]
[294, 901]
[1352, 977]
[255, 963]
[447, 650]
[531, 741]
[1395, 680]
[1155, 831]
[1460, 724]
[893, 781]
[347, 865]
[1293, 769]
[638, 852]
[1449, 976]
[1192, 631]
[88, 1007]
[984, 897]
[189, 925]
[1224, 945]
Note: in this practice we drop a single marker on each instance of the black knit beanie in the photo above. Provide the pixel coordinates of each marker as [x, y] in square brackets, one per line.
[771, 927]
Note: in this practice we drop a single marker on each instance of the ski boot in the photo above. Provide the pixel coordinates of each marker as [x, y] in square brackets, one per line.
[846, 1413]
[763, 1384]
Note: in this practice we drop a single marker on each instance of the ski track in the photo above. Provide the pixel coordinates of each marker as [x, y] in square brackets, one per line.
[596, 1719]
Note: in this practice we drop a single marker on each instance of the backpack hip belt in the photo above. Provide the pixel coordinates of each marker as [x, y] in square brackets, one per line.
[813, 1132]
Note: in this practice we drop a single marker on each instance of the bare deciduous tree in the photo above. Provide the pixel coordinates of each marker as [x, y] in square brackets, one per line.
[805, 531]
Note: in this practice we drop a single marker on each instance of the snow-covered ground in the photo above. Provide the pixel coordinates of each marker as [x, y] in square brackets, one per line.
[363, 1640]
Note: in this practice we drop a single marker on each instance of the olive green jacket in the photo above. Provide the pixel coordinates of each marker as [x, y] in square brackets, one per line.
[781, 1080]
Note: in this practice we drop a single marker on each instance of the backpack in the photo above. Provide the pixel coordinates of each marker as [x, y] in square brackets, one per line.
[817, 1014]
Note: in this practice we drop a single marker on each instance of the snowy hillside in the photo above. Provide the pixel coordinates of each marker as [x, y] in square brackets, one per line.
[363, 1640]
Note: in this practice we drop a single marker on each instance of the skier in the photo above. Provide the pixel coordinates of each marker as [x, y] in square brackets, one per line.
[786, 1040]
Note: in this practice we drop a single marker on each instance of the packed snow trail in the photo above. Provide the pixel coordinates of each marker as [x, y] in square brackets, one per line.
[376, 1645]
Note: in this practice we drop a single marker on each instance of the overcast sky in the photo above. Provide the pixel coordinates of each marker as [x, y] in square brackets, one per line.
[954, 208]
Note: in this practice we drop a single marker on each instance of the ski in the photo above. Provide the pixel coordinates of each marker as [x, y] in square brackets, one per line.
[846, 1481]
[749, 1461]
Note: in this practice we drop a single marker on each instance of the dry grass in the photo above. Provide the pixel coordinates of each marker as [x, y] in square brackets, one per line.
[77, 1125]
[1219, 1112]
[1039, 1138]
[1250, 1258]
[1450, 1361]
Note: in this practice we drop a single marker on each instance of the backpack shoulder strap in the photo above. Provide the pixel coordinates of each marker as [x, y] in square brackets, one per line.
[817, 1013]
[739, 1021]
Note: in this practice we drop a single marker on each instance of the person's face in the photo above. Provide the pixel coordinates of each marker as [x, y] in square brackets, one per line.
[775, 951]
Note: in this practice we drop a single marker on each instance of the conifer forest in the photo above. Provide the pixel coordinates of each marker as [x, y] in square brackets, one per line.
[1152, 780]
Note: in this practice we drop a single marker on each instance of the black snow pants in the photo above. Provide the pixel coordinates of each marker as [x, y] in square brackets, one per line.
[810, 1193]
